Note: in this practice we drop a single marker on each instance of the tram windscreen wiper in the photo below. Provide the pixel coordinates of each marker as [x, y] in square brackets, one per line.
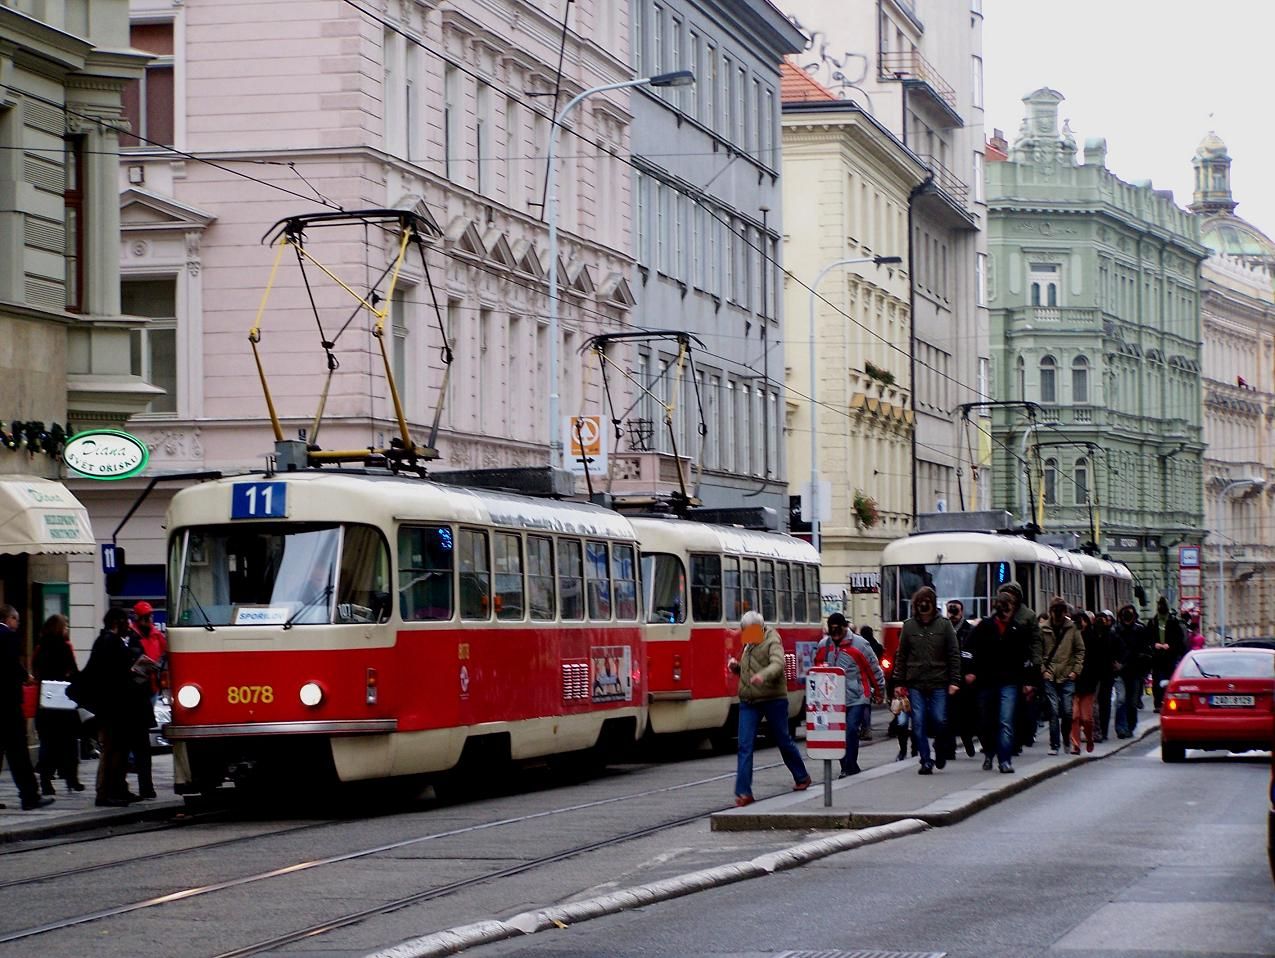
[326, 591]
[186, 589]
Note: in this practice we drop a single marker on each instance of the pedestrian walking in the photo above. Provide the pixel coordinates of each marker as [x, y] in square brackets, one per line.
[58, 728]
[901, 721]
[763, 693]
[1063, 657]
[878, 650]
[1105, 646]
[965, 703]
[928, 666]
[148, 639]
[1168, 645]
[13, 724]
[864, 680]
[1004, 665]
[1096, 664]
[1133, 658]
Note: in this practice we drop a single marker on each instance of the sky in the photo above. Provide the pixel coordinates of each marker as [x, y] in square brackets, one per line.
[1152, 76]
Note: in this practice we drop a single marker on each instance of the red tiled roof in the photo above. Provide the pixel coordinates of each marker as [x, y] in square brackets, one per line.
[797, 86]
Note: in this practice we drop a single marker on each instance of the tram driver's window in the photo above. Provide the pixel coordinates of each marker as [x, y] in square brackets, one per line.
[570, 580]
[425, 560]
[540, 578]
[475, 575]
[508, 558]
[706, 588]
[597, 575]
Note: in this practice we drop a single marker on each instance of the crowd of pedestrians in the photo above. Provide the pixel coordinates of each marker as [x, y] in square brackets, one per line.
[118, 685]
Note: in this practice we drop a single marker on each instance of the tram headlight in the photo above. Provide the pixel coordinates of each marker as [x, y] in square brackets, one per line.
[311, 694]
[189, 696]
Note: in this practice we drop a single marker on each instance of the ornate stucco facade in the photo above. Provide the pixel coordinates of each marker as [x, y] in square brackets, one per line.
[834, 155]
[1237, 309]
[1094, 289]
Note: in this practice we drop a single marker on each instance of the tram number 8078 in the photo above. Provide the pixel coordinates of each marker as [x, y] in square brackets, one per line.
[250, 694]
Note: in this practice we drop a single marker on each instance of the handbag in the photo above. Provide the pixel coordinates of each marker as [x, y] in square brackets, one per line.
[53, 696]
[30, 692]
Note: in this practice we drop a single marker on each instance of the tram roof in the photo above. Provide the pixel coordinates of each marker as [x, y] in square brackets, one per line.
[955, 547]
[327, 496]
[683, 535]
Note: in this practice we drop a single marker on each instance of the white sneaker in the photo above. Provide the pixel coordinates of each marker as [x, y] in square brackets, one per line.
[1053, 751]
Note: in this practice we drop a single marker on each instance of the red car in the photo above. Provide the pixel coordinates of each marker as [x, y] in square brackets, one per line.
[1219, 699]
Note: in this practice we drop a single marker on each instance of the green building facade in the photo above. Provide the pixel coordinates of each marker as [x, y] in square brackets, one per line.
[1095, 317]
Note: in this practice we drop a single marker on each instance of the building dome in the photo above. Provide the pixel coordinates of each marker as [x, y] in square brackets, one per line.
[1228, 235]
[1211, 146]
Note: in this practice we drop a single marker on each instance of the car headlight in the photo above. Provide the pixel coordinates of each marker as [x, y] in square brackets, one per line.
[189, 696]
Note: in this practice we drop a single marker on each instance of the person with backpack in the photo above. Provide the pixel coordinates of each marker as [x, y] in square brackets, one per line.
[864, 680]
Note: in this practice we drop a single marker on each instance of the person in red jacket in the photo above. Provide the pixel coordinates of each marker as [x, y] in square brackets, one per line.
[152, 643]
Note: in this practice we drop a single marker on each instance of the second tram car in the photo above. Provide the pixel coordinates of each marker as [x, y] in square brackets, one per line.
[972, 566]
[689, 631]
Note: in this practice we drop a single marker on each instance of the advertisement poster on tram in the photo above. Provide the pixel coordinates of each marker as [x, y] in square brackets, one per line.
[612, 667]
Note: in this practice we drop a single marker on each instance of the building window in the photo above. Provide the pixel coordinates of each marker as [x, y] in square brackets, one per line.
[1082, 481]
[980, 278]
[451, 119]
[978, 83]
[73, 215]
[398, 357]
[727, 81]
[1044, 278]
[980, 177]
[708, 86]
[1080, 380]
[153, 348]
[482, 130]
[1051, 481]
[149, 102]
[1048, 380]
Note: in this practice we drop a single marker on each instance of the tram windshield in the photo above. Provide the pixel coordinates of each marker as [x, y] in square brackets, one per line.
[971, 582]
[279, 574]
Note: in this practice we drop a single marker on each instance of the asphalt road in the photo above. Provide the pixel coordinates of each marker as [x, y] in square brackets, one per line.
[1125, 857]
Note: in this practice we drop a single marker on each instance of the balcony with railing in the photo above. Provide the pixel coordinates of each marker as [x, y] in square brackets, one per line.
[1057, 317]
[951, 194]
[918, 74]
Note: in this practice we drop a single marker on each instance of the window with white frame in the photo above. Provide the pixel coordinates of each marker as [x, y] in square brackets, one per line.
[1051, 481]
[482, 133]
[400, 308]
[153, 348]
[1080, 380]
[726, 82]
[1048, 379]
[1081, 475]
[657, 40]
[452, 116]
[980, 279]
[412, 100]
[1044, 280]
[515, 160]
[980, 178]
[978, 82]
[707, 86]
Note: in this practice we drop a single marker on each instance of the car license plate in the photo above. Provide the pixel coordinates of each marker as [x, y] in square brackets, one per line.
[1231, 701]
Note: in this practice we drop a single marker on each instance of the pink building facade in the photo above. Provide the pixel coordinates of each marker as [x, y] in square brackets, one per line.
[253, 112]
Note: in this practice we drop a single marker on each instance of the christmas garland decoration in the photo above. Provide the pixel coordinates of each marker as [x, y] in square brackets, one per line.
[33, 437]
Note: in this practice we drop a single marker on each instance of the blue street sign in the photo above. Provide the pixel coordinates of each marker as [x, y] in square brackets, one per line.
[111, 556]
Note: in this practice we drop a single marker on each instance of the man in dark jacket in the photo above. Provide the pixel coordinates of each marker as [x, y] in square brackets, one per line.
[13, 724]
[1168, 645]
[965, 704]
[1005, 664]
[1105, 649]
[120, 698]
[1133, 658]
[928, 665]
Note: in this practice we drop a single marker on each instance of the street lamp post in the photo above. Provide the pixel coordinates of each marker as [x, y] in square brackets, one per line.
[676, 78]
[1221, 556]
[814, 406]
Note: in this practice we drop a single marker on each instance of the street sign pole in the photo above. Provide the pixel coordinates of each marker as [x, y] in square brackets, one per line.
[826, 720]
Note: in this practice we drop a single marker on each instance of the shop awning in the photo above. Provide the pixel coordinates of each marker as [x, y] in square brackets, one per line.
[42, 517]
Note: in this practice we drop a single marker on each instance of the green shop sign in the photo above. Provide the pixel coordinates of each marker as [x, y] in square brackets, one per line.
[105, 454]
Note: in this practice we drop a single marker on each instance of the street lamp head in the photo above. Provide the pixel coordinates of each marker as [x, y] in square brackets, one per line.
[676, 78]
[883, 260]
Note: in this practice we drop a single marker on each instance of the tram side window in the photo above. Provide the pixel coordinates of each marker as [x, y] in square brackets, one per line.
[508, 562]
[664, 584]
[730, 588]
[798, 593]
[706, 588]
[597, 578]
[363, 590]
[475, 575]
[624, 582]
[814, 603]
[425, 557]
[784, 592]
[1026, 573]
[768, 590]
[748, 584]
[540, 578]
[570, 580]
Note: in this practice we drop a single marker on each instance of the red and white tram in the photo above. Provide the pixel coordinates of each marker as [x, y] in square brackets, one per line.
[375, 626]
[972, 566]
[688, 643]
[379, 626]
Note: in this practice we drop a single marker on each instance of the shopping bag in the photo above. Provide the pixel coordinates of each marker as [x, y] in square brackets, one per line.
[30, 693]
[53, 696]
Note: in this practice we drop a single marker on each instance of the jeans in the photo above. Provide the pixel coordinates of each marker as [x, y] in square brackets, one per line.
[929, 718]
[1128, 688]
[854, 721]
[1103, 718]
[1059, 695]
[775, 711]
[998, 704]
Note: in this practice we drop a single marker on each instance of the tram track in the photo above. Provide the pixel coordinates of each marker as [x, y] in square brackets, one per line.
[422, 895]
